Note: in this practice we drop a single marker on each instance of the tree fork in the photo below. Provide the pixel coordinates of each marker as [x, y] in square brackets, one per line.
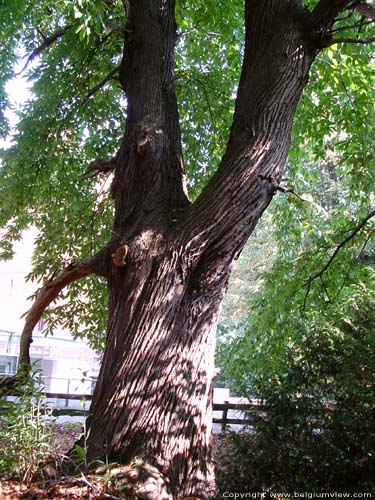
[153, 398]
[166, 280]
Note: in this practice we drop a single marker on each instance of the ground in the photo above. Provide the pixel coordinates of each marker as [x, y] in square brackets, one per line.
[52, 483]
[61, 478]
[63, 488]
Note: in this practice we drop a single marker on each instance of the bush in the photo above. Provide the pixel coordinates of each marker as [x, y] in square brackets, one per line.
[24, 430]
[318, 429]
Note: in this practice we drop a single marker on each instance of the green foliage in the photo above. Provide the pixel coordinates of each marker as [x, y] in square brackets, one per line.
[25, 432]
[79, 455]
[61, 129]
[246, 282]
[309, 336]
[317, 429]
[208, 67]
[74, 116]
[324, 242]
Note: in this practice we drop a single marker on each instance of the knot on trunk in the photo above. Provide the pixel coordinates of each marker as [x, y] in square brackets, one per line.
[141, 144]
[269, 183]
[119, 256]
[148, 139]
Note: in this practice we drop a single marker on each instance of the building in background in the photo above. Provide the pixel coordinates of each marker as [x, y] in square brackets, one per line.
[69, 366]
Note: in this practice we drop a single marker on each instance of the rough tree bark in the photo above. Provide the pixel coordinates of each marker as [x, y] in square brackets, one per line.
[154, 394]
[168, 262]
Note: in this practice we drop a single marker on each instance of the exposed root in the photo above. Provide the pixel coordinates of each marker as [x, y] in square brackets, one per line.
[140, 481]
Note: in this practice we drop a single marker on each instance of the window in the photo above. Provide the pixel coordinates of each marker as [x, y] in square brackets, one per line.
[8, 365]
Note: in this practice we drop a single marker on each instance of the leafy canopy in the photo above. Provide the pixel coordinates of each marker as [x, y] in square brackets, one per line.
[76, 114]
[325, 241]
[69, 51]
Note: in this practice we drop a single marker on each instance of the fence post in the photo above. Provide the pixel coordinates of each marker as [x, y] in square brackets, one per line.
[224, 417]
[68, 392]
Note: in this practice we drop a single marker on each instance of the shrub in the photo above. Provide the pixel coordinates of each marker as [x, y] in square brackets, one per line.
[24, 430]
[318, 429]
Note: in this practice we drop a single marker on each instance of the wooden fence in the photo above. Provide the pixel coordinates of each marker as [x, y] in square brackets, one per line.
[242, 411]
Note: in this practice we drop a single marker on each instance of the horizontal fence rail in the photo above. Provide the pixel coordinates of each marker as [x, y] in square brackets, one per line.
[237, 414]
[242, 411]
[224, 408]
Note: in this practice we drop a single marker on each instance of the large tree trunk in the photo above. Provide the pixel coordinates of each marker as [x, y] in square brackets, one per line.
[153, 398]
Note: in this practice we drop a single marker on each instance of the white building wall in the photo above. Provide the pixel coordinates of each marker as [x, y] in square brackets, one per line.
[68, 365]
[14, 291]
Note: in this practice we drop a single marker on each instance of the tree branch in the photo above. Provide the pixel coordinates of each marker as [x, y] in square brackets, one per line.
[47, 42]
[100, 166]
[227, 211]
[366, 10]
[359, 25]
[274, 186]
[98, 264]
[351, 40]
[101, 84]
[290, 190]
[45, 296]
[325, 15]
[339, 247]
[326, 12]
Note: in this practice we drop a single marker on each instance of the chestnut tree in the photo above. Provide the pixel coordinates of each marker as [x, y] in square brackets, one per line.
[97, 166]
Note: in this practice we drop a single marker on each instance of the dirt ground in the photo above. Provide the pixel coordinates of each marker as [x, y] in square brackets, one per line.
[60, 478]
[66, 488]
[52, 483]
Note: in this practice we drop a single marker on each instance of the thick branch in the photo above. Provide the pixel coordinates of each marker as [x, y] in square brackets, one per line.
[326, 12]
[100, 166]
[149, 178]
[366, 10]
[45, 296]
[271, 83]
[49, 292]
[47, 42]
